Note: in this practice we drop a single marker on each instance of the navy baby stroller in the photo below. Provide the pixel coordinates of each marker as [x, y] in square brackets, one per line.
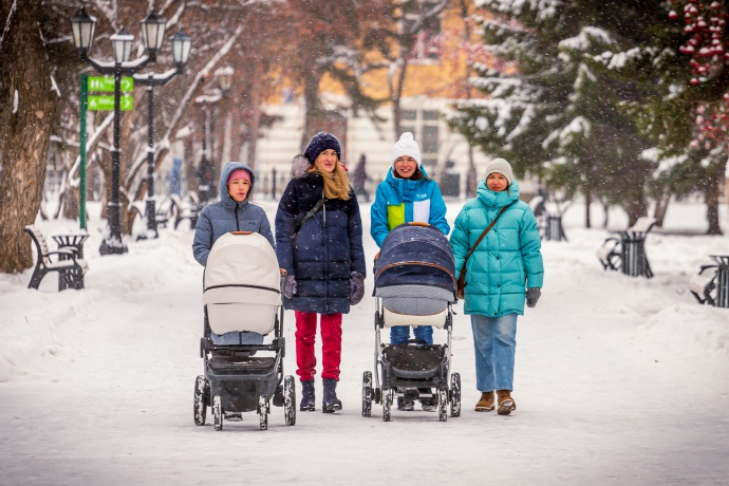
[242, 293]
[415, 285]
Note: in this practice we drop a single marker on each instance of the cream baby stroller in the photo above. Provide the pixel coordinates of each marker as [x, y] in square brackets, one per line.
[242, 293]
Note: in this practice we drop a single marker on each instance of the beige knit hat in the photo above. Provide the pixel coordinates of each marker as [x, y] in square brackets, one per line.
[502, 167]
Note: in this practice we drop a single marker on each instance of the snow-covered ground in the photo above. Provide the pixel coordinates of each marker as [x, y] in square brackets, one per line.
[618, 380]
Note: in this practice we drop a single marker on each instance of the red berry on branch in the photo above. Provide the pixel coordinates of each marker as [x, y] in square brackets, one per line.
[694, 81]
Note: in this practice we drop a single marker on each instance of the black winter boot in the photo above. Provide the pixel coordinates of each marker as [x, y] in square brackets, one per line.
[307, 396]
[331, 403]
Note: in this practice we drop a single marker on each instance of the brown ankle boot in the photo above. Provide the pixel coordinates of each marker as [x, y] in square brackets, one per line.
[486, 403]
[506, 403]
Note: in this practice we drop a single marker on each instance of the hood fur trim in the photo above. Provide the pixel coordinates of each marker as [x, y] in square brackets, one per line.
[299, 167]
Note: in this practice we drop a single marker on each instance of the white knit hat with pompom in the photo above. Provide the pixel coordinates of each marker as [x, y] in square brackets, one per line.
[406, 146]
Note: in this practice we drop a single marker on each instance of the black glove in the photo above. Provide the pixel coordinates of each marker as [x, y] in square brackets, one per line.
[289, 289]
[532, 297]
[356, 291]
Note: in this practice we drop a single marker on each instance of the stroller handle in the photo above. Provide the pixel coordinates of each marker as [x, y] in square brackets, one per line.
[240, 233]
[419, 223]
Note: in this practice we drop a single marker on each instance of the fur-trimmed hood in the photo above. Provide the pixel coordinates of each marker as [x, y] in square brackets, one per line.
[299, 167]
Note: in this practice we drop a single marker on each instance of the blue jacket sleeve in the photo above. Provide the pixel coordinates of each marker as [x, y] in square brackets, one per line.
[530, 245]
[203, 238]
[460, 241]
[285, 226]
[438, 211]
[378, 215]
[354, 230]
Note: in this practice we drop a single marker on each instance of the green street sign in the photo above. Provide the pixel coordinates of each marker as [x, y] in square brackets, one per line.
[106, 83]
[106, 103]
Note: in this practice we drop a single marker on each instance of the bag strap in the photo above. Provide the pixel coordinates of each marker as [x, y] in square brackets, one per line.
[473, 248]
[310, 213]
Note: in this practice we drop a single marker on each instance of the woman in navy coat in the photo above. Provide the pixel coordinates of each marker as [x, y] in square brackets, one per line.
[323, 259]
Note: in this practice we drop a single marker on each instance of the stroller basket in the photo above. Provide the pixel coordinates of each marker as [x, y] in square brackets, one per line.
[414, 361]
[234, 365]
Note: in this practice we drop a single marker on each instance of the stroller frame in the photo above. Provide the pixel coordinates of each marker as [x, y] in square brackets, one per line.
[235, 381]
[388, 378]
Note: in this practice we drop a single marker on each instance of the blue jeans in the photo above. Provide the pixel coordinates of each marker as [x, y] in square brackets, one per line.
[230, 338]
[494, 339]
[401, 334]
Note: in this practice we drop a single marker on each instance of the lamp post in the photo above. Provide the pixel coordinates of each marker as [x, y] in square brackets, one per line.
[83, 26]
[181, 44]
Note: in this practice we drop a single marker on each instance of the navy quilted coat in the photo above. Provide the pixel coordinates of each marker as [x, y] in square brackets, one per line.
[327, 249]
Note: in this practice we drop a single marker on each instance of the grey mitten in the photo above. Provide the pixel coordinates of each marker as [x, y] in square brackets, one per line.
[532, 297]
[356, 288]
[289, 289]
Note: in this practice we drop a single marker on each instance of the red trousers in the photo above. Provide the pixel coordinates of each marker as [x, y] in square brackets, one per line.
[331, 336]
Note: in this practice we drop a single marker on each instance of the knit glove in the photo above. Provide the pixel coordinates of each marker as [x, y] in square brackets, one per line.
[289, 289]
[356, 288]
[532, 297]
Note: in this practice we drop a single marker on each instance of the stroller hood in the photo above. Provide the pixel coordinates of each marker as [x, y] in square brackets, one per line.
[242, 284]
[416, 255]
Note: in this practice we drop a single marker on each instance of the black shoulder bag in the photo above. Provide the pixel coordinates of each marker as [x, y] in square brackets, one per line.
[309, 214]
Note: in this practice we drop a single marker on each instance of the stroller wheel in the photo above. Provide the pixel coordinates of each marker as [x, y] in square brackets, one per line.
[387, 404]
[367, 394]
[200, 403]
[217, 412]
[263, 412]
[455, 395]
[290, 400]
[442, 405]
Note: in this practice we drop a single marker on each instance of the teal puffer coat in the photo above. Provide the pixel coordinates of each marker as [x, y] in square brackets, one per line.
[507, 261]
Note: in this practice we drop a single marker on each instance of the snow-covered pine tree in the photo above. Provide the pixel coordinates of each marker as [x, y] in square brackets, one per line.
[678, 54]
[549, 112]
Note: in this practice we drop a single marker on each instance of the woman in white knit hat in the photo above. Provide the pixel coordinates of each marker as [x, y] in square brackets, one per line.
[407, 195]
[504, 269]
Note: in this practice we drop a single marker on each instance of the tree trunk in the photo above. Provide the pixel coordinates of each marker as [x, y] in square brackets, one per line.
[606, 217]
[659, 213]
[26, 115]
[313, 110]
[255, 118]
[712, 193]
[588, 202]
[635, 207]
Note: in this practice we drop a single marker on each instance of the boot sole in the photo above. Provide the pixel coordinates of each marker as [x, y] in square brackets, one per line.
[506, 407]
[331, 409]
[484, 409]
[307, 409]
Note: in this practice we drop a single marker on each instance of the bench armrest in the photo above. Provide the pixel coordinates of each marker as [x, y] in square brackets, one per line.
[66, 250]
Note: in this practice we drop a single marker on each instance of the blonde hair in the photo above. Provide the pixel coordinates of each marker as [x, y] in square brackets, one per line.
[336, 183]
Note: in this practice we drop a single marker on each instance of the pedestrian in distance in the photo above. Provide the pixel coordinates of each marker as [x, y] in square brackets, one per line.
[360, 178]
[407, 195]
[319, 246]
[234, 212]
[496, 243]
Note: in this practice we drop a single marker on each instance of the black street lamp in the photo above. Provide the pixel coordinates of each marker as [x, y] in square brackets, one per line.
[83, 36]
[181, 44]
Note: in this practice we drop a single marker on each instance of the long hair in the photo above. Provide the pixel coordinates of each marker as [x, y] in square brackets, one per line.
[336, 183]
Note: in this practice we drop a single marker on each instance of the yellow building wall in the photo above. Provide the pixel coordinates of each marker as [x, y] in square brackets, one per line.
[443, 78]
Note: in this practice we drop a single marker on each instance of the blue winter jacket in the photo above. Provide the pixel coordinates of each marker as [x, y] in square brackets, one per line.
[326, 250]
[507, 261]
[227, 215]
[399, 201]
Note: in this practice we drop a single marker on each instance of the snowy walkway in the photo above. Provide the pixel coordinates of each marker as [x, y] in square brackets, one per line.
[618, 381]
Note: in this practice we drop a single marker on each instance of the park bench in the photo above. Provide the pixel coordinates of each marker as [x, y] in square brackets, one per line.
[69, 264]
[627, 253]
[711, 285]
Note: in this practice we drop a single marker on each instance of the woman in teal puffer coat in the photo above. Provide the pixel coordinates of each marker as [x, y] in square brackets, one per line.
[504, 270]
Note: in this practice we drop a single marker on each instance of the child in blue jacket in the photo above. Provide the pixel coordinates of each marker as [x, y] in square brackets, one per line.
[405, 196]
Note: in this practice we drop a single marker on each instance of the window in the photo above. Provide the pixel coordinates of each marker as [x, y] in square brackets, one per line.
[427, 47]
